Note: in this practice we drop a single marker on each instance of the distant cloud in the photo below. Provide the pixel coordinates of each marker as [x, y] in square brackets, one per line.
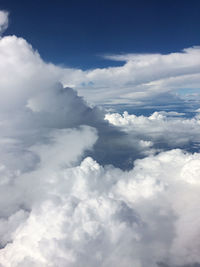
[163, 129]
[142, 78]
[3, 21]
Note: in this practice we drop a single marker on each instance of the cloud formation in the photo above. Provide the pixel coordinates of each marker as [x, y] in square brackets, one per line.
[34, 102]
[3, 21]
[142, 78]
[59, 207]
[161, 129]
[103, 216]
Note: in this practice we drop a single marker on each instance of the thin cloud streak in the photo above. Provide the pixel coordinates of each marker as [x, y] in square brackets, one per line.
[3, 21]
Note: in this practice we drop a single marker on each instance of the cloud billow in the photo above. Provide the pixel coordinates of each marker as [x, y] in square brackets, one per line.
[161, 130]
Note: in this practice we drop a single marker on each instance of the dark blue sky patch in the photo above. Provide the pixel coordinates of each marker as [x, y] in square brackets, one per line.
[75, 33]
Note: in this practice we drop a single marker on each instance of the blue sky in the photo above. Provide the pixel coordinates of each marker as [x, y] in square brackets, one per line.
[76, 33]
[135, 53]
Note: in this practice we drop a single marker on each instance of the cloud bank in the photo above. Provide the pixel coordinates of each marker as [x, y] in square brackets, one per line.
[161, 129]
[63, 201]
[142, 78]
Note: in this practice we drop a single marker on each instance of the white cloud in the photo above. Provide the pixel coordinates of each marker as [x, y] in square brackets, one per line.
[141, 78]
[3, 21]
[138, 81]
[33, 103]
[90, 215]
[162, 129]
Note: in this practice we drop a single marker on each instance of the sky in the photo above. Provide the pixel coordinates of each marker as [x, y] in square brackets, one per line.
[77, 33]
[140, 49]
[100, 148]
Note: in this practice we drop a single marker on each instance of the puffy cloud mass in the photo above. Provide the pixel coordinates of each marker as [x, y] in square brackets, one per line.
[90, 215]
[63, 201]
[160, 130]
[34, 102]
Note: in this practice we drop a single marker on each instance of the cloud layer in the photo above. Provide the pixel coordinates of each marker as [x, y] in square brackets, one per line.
[169, 78]
[142, 78]
[160, 130]
[59, 206]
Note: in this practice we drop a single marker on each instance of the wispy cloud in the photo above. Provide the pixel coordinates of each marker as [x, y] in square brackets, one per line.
[3, 21]
[142, 77]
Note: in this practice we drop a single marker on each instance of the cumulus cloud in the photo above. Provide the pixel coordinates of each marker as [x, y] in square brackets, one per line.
[161, 129]
[90, 215]
[3, 21]
[59, 207]
[33, 103]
